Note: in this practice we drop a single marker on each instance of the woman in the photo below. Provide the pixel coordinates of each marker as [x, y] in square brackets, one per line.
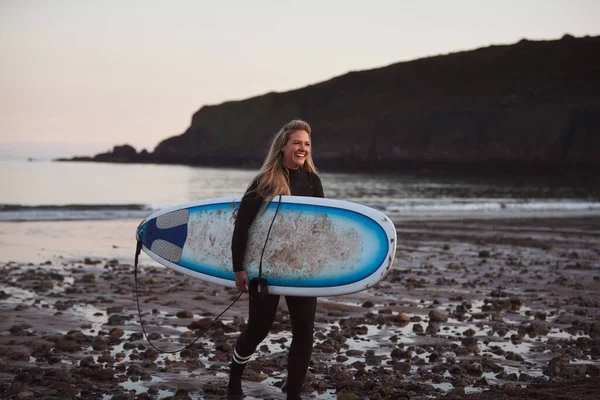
[287, 170]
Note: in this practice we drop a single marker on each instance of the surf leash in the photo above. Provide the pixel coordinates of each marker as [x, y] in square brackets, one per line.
[258, 287]
[254, 286]
[138, 250]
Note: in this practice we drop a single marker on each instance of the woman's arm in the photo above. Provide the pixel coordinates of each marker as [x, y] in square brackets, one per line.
[247, 212]
[317, 186]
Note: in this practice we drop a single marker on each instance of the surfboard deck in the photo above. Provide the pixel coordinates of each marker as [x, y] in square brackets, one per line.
[317, 247]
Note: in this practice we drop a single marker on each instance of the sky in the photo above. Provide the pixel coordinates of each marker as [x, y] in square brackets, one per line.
[78, 77]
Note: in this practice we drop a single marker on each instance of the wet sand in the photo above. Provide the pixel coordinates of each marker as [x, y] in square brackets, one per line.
[500, 308]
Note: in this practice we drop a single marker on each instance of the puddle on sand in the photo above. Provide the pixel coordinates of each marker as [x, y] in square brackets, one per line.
[140, 387]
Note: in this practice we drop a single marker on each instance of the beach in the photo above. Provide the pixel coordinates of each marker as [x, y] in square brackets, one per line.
[473, 308]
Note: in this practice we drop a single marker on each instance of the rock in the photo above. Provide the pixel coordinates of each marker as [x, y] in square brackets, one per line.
[68, 345]
[223, 346]
[200, 324]
[135, 370]
[136, 336]
[100, 343]
[473, 368]
[105, 374]
[19, 330]
[469, 332]
[403, 367]
[455, 369]
[469, 341]
[502, 375]
[437, 316]
[16, 387]
[88, 278]
[372, 359]
[256, 377]
[402, 317]
[116, 333]
[185, 314]
[117, 320]
[57, 374]
[398, 353]
[87, 361]
[386, 391]
[348, 396]
[557, 365]
[367, 304]
[484, 254]
[24, 377]
[343, 375]
[438, 369]
[510, 355]
[114, 310]
[151, 354]
[432, 328]
[489, 365]
[541, 315]
[538, 327]
[525, 378]
[40, 347]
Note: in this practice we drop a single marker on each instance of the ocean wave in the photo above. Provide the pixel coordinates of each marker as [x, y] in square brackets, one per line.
[393, 207]
[487, 206]
[71, 212]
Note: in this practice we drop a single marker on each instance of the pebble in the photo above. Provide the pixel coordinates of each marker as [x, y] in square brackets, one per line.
[185, 314]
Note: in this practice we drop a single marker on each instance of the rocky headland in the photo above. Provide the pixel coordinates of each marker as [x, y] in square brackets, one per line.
[533, 103]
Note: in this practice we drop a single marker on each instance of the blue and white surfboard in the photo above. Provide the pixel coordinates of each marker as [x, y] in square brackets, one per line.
[317, 247]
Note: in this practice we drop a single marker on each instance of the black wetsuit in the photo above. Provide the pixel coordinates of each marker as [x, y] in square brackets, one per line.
[302, 309]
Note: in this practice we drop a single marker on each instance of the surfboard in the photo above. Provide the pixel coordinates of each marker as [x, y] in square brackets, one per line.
[316, 247]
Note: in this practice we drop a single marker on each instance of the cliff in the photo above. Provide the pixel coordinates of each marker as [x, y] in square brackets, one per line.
[533, 102]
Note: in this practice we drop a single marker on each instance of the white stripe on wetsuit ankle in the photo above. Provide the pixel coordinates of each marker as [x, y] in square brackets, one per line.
[239, 359]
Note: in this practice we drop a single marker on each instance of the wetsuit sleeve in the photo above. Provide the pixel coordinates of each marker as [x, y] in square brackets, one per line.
[317, 186]
[247, 212]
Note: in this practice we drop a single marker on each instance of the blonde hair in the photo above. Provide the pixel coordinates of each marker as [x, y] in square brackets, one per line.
[272, 178]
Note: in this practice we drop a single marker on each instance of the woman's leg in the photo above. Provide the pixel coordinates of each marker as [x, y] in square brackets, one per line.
[261, 315]
[302, 316]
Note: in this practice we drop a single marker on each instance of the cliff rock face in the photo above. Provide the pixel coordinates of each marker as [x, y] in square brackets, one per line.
[531, 102]
[534, 102]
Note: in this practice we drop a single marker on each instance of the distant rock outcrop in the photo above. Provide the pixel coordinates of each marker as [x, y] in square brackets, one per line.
[120, 154]
[534, 102]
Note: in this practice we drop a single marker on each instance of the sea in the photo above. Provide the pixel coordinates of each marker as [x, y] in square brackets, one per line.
[46, 190]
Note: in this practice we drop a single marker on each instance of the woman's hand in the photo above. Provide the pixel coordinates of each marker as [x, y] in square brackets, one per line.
[241, 281]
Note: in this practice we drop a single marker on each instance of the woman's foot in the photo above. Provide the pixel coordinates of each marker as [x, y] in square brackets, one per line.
[234, 387]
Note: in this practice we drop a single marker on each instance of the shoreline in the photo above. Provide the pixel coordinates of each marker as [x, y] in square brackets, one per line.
[471, 307]
[40, 241]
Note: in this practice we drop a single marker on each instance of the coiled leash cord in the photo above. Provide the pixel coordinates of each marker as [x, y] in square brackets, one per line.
[253, 288]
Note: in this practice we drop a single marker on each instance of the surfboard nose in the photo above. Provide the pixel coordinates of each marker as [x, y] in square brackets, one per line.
[140, 233]
[165, 235]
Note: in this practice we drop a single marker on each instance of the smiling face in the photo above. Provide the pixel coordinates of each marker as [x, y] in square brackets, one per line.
[296, 150]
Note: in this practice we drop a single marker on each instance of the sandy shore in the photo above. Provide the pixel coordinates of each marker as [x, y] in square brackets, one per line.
[472, 308]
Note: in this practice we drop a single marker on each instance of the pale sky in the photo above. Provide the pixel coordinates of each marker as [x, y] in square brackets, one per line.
[78, 77]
